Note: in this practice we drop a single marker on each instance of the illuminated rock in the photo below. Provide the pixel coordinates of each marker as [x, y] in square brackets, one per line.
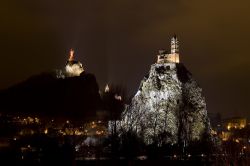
[168, 107]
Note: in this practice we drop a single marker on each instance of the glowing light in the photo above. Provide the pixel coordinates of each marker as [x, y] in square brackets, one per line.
[118, 97]
[242, 126]
[36, 120]
[46, 131]
[98, 132]
[106, 88]
[74, 69]
[213, 132]
[77, 132]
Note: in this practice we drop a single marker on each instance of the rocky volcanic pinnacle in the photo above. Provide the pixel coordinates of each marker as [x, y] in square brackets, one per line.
[168, 107]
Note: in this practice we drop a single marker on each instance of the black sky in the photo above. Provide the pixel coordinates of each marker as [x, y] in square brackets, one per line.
[117, 40]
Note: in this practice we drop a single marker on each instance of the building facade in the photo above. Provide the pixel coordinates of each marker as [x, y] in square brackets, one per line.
[173, 57]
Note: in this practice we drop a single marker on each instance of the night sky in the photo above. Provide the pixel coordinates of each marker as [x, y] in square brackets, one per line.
[117, 40]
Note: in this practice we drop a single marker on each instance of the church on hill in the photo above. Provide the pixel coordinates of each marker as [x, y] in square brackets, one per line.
[173, 57]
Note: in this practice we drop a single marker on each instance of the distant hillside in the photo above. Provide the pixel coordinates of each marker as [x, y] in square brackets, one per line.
[46, 95]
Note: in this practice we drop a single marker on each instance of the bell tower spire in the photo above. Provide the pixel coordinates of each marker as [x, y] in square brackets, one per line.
[174, 45]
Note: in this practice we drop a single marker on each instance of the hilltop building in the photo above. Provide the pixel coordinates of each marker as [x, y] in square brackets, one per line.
[173, 57]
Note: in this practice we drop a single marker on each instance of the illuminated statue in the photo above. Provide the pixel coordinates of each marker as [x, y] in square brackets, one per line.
[73, 67]
[71, 55]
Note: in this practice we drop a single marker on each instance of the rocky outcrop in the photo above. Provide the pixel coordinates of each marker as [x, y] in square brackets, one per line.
[168, 107]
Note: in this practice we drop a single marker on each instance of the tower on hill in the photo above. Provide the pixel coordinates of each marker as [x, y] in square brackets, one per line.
[173, 57]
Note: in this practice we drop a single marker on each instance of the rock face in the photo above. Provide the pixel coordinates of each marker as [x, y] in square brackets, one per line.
[168, 107]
